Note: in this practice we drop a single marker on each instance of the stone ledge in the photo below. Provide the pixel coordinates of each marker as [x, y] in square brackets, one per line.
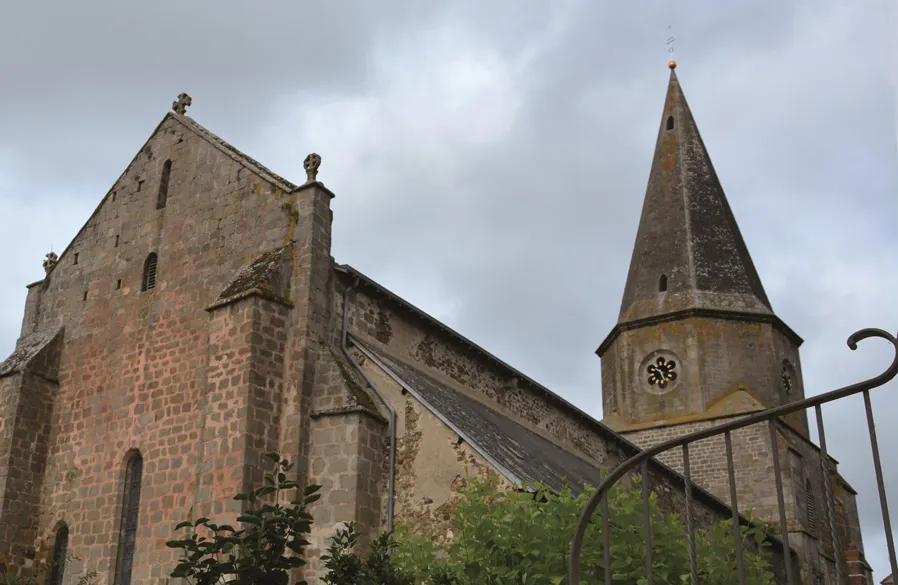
[317, 184]
[699, 313]
[342, 410]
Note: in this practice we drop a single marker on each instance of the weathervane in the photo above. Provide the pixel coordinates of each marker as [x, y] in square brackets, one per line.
[670, 49]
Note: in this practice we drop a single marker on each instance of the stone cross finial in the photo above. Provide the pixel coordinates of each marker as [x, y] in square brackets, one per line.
[50, 262]
[311, 164]
[181, 104]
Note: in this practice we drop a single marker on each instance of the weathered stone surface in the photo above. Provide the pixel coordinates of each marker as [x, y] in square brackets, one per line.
[687, 234]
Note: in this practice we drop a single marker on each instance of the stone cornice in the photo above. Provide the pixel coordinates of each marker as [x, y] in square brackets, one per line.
[699, 313]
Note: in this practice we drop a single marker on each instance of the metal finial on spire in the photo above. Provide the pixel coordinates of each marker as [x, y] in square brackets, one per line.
[311, 164]
[670, 49]
[181, 104]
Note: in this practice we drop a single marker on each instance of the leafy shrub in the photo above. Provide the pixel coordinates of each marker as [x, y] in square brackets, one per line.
[500, 538]
[346, 568]
[268, 546]
[518, 538]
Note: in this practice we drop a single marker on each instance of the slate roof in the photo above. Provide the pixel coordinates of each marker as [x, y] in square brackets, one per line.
[687, 230]
[522, 455]
[888, 580]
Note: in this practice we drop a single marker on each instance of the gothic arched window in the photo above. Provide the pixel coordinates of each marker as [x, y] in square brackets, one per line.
[662, 283]
[670, 122]
[60, 549]
[128, 531]
[162, 196]
[149, 272]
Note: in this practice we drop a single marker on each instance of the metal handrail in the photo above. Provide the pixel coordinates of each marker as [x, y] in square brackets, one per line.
[770, 416]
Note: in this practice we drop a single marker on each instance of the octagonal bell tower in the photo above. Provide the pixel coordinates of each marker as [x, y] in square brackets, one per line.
[696, 338]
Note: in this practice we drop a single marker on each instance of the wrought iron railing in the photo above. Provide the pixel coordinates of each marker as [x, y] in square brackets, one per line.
[770, 417]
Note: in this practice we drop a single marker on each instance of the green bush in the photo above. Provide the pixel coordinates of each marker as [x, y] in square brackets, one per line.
[269, 544]
[500, 538]
[522, 538]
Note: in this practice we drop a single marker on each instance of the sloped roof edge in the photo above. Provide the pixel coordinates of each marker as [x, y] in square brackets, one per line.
[551, 396]
[236, 154]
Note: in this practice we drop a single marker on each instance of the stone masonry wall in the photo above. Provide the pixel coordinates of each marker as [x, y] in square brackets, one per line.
[26, 401]
[714, 358]
[752, 461]
[241, 409]
[134, 364]
[806, 512]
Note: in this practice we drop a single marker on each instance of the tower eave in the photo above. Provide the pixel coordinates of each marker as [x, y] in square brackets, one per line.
[748, 317]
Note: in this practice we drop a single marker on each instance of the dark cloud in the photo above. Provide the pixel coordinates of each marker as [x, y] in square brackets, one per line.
[490, 159]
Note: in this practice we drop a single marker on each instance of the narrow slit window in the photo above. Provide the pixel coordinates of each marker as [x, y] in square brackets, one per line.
[662, 283]
[149, 273]
[75, 259]
[162, 197]
[118, 284]
[85, 296]
[670, 122]
[60, 549]
[811, 507]
[788, 379]
[116, 241]
[128, 532]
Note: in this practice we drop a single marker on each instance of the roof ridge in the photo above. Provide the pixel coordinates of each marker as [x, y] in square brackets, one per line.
[233, 152]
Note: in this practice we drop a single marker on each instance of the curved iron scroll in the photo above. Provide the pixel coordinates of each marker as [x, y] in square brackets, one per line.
[765, 416]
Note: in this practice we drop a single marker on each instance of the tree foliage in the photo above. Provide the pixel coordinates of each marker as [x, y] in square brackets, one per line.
[523, 538]
[500, 537]
[345, 567]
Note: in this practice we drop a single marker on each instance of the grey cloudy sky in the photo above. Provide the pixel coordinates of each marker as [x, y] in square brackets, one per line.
[490, 159]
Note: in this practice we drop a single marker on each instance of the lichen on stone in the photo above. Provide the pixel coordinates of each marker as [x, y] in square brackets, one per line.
[266, 274]
[26, 350]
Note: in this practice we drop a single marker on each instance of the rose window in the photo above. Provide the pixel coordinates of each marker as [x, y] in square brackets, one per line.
[662, 372]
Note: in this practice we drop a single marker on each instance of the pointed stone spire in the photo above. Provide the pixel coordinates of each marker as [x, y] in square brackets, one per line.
[689, 253]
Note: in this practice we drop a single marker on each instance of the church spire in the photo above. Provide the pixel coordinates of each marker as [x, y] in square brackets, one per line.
[689, 253]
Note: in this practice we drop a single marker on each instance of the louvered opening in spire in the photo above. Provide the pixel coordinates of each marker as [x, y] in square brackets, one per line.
[687, 231]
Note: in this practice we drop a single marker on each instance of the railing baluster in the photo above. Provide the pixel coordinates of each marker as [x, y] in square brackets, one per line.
[784, 527]
[877, 465]
[828, 491]
[647, 521]
[606, 536]
[693, 569]
[734, 504]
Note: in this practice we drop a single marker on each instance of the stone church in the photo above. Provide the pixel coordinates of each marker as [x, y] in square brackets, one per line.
[197, 321]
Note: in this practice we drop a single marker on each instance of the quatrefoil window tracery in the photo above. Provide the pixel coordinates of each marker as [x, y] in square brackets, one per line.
[662, 372]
